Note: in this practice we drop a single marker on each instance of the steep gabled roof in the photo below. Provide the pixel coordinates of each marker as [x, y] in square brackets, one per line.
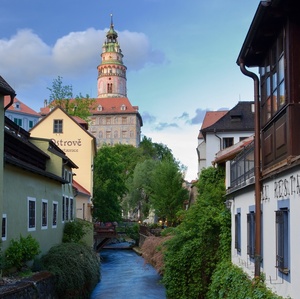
[239, 118]
[80, 189]
[210, 118]
[24, 109]
[70, 117]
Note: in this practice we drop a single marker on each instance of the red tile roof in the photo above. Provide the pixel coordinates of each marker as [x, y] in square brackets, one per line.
[210, 118]
[22, 109]
[113, 106]
[80, 188]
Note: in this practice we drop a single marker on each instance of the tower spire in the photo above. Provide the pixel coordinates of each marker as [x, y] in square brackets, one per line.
[111, 21]
[111, 71]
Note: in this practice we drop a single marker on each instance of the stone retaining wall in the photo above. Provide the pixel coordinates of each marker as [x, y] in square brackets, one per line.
[40, 285]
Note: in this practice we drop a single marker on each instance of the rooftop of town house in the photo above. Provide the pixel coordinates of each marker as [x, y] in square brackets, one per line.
[239, 118]
[6, 89]
[20, 152]
[80, 189]
[210, 118]
[268, 20]
[19, 107]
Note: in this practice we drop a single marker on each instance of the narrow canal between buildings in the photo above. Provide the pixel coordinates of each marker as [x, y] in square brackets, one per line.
[126, 276]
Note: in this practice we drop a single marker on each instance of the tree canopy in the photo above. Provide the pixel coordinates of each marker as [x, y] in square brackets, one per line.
[62, 95]
[145, 178]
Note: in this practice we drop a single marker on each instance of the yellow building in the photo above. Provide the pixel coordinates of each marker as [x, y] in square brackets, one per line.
[79, 145]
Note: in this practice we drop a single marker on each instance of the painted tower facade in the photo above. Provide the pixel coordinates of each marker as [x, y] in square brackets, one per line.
[111, 71]
[114, 120]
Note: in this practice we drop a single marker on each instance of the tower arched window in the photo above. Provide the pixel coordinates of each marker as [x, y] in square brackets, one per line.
[109, 87]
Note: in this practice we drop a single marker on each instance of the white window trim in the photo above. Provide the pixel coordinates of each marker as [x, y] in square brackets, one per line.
[44, 226]
[31, 229]
[54, 203]
[5, 237]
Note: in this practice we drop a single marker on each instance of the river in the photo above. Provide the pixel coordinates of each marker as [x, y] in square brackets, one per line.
[126, 276]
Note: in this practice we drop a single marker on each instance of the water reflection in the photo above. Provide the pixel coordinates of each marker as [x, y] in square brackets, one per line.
[125, 275]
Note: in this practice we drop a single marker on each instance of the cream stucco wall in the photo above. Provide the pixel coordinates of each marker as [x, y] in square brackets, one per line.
[74, 141]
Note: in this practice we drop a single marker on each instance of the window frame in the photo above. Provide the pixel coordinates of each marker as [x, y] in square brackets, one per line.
[251, 234]
[237, 242]
[227, 142]
[272, 80]
[282, 240]
[4, 227]
[57, 126]
[31, 227]
[54, 214]
[44, 213]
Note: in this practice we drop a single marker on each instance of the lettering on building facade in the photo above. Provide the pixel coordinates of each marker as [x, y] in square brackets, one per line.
[283, 188]
[70, 145]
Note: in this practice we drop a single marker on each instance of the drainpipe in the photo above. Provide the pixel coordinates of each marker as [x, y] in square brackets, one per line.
[257, 172]
[12, 96]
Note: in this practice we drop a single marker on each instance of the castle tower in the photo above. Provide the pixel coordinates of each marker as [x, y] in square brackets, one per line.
[111, 71]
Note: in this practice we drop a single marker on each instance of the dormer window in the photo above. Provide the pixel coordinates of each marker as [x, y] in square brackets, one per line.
[17, 106]
[123, 107]
[99, 108]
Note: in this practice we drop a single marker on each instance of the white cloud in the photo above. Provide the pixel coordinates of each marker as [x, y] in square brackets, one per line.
[27, 59]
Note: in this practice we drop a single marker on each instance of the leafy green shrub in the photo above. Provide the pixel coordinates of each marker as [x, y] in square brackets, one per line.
[133, 232]
[74, 231]
[196, 248]
[20, 252]
[76, 268]
[229, 281]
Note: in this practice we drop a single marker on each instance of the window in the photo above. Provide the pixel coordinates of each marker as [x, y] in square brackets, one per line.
[238, 231]
[282, 240]
[108, 120]
[18, 121]
[67, 209]
[83, 211]
[109, 88]
[54, 213]
[31, 214]
[272, 80]
[227, 142]
[99, 108]
[124, 134]
[71, 209]
[63, 209]
[57, 126]
[115, 134]
[108, 134]
[30, 124]
[251, 234]
[124, 120]
[44, 214]
[4, 227]
[123, 107]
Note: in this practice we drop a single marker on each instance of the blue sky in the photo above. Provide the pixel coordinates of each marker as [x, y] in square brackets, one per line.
[180, 57]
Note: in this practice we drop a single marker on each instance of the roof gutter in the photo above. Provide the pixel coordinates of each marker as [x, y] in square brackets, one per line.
[257, 172]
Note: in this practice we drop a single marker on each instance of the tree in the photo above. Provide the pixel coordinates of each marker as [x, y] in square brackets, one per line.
[109, 185]
[168, 194]
[140, 187]
[196, 246]
[62, 95]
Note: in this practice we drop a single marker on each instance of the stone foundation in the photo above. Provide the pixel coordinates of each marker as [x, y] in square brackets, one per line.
[38, 286]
